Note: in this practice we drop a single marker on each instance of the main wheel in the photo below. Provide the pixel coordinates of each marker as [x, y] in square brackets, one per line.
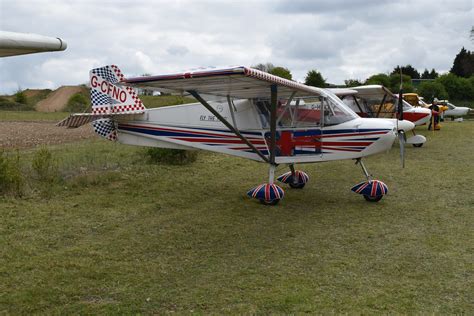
[369, 198]
[418, 145]
[297, 185]
[272, 202]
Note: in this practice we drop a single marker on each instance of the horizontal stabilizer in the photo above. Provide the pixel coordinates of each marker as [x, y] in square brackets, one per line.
[79, 119]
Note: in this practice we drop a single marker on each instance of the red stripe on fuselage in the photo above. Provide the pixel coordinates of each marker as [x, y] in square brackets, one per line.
[185, 131]
[217, 141]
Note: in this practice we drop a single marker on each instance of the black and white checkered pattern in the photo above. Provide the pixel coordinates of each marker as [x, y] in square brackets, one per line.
[98, 98]
[107, 73]
[105, 128]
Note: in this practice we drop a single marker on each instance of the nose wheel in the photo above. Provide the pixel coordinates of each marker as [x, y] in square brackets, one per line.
[296, 179]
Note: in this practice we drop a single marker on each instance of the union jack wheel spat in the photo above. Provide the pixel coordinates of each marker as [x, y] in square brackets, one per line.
[371, 188]
[267, 192]
[301, 177]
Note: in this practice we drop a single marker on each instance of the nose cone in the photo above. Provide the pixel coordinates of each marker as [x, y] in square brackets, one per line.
[405, 125]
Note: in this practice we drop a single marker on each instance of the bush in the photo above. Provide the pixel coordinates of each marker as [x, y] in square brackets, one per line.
[457, 87]
[431, 89]
[20, 97]
[170, 156]
[11, 179]
[395, 83]
[44, 167]
[77, 103]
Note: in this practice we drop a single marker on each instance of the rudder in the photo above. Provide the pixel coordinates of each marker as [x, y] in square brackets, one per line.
[108, 96]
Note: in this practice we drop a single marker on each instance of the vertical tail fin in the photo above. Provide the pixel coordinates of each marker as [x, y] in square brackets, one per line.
[108, 96]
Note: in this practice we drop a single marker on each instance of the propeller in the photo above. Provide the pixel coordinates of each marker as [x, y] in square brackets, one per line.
[402, 141]
[401, 133]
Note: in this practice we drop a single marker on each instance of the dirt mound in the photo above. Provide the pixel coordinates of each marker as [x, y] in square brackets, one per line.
[30, 93]
[57, 100]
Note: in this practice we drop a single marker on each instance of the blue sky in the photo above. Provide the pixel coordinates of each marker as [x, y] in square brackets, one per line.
[342, 39]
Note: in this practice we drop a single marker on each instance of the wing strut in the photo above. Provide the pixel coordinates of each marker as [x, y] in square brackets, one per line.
[273, 118]
[381, 104]
[196, 95]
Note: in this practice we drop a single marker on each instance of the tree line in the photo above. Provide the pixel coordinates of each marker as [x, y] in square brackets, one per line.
[457, 84]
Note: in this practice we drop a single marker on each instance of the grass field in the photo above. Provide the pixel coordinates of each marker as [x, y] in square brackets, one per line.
[32, 116]
[118, 235]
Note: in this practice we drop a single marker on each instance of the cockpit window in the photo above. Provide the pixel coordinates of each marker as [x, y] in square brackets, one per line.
[306, 112]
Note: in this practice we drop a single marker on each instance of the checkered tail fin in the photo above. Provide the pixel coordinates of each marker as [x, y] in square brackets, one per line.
[109, 96]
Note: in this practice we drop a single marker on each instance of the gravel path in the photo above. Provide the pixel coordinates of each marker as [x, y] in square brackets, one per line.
[31, 134]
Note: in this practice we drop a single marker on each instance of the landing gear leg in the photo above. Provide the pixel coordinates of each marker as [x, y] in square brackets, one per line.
[364, 169]
[372, 190]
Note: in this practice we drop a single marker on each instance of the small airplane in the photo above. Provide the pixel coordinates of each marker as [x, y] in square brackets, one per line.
[376, 101]
[14, 43]
[253, 115]
[453, 110]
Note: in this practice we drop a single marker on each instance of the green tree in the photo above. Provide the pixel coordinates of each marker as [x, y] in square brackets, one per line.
[429, 74]
[458, 88]
[432, 89]
[406, 70]
[463, 64]
[315, 79]
[381, 79]
[20, 97]
[281, 72]
[352, 82]
[395, 83]
[425, 74]
[433, 74]
[267, 67]
[77, 103]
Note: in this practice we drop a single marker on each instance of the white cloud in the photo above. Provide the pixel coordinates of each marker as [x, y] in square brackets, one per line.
[342, 39]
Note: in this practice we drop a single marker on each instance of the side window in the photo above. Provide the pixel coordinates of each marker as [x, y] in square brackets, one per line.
[308, 112]
[296, 114]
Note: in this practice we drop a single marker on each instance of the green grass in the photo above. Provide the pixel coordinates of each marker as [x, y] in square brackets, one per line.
[164, 100]
[122, 236]
[32, 116]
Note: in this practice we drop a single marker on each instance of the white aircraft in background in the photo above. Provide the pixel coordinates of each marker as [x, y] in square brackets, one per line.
[13, 44]
[375, 101]
[254, 115]
[454, 110]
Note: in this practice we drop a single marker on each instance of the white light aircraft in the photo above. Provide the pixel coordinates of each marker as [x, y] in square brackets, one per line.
[455, 110]
[254, 115]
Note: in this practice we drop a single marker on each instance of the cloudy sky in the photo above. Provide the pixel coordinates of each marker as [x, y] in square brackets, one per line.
[342, 39]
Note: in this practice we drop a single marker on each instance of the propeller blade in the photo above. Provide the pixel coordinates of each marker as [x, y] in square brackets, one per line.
[400, 98]
[402, 141]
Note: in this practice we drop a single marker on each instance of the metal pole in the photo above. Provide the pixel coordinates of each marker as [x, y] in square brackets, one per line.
[273, 117]
[293, 173]
[367, 175]
[271, 174]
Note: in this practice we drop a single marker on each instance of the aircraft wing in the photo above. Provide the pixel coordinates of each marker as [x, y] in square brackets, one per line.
[13, 43]
[372, 91]
[342, 92]
[235, 82]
